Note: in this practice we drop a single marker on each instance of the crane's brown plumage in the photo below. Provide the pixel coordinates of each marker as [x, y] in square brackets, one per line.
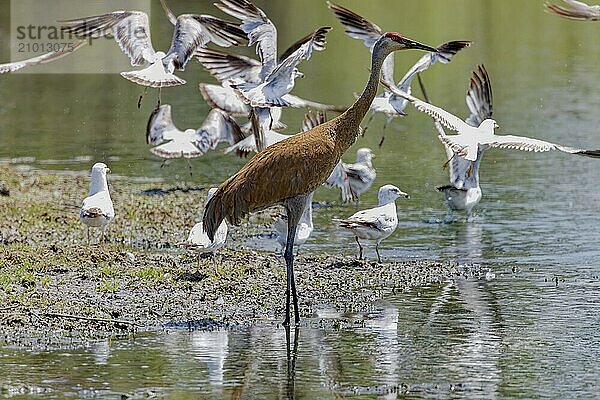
[294, 166]
[285, 172]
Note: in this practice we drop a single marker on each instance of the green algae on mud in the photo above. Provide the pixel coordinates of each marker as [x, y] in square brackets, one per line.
[53, 285]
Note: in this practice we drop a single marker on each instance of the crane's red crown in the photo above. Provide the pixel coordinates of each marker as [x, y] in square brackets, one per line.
[394, 36]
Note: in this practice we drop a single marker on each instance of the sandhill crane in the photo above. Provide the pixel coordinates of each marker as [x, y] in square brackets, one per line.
[575, 10]
[68, 48]
[376, 223]
[131, 31]
[288, 171]
[358, 177]
[388, 103]
[468, 140]
[199, 241]
[97, 209]
[171, 142]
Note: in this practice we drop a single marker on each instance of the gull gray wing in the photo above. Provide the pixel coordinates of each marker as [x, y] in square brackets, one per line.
[445, 118]
[298, 102]
[189, 34]
[535, 145]
[223, 97]
[159, 123]
[373, 218]
[319, 42]
[315, 41]
[225, 66]
[44, 58]
[575, 10]
[170, 15]
[258, 27]
[444, 56]
[280, 81]
[217, 127]
[358, 171]
[312, 119]
[338, 178]
[130, 29]
[358, 27]
[222, 33]
[479, 97]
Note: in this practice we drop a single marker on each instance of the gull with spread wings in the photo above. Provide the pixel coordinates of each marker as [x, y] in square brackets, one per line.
[277, 75]
[41, 59]
[226, 67]
[463, 192]
[172, 142]
[469, 138]
[131, 31]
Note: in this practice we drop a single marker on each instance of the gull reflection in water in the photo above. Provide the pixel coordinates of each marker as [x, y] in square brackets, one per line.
[100, 351]
[211, 347]
[474, 347]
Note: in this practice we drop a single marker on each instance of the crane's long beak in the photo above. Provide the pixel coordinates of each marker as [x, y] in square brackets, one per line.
[411, 44]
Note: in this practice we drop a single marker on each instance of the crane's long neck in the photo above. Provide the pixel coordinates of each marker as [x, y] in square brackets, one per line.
[354, 115]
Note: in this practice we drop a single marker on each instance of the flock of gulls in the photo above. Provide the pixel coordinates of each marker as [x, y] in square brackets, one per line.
[293, 166]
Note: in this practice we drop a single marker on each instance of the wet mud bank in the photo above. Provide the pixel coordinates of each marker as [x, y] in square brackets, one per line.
[56, 287]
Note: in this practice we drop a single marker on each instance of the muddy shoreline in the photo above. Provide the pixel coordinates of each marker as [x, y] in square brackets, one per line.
[54, 286]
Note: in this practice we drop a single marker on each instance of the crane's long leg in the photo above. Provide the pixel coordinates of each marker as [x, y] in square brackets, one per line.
[377, 251]
[294, 207]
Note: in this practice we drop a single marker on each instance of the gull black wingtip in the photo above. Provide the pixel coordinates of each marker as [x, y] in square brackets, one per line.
[590, 153]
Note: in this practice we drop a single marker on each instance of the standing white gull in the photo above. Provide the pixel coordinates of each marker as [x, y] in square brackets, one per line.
[171, 142]
[131, 31]
[42, 59]
[97, 209]
[376, 223]
[575, 10]
[358, 177]
[469, 138]
[198, 239]
[387, 102]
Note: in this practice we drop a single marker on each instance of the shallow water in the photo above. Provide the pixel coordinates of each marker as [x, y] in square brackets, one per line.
[529, 332]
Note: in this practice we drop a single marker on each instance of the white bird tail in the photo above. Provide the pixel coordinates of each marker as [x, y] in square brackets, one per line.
[153, 76]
